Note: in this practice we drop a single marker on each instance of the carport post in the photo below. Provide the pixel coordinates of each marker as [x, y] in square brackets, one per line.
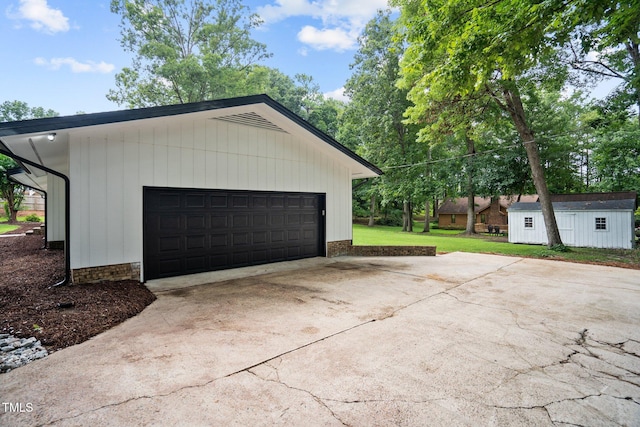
[67, 207]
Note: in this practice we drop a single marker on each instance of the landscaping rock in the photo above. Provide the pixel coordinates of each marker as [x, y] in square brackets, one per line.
[16, 352]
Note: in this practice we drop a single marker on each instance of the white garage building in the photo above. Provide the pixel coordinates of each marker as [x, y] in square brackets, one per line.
[600, 220]
[172, 190]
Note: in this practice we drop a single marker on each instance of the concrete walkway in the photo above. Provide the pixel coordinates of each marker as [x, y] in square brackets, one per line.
[457, 339]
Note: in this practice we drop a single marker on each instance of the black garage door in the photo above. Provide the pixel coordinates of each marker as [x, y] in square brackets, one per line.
[191, 231]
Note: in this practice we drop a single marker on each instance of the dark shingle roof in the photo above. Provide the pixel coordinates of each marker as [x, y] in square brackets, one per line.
[595, 205]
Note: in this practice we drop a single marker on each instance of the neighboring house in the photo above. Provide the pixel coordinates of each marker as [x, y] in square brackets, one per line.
[488, 211]
[172, 190]
[601, 220]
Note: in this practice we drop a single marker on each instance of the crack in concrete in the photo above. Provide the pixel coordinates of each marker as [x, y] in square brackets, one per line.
[580, 341]
[318, 399]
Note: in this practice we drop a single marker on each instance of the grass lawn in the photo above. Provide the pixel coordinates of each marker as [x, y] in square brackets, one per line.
[453, 241]
[5, 228]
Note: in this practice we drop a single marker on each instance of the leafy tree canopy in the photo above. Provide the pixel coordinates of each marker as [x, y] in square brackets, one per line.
[185, 51]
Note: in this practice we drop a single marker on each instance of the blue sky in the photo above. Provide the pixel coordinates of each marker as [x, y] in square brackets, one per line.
[64, 54]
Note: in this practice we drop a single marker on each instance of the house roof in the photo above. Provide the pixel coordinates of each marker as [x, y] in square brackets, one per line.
[28, 138]
[459, 205]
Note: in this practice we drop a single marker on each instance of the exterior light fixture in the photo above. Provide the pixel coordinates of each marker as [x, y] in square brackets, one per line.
[51, 137]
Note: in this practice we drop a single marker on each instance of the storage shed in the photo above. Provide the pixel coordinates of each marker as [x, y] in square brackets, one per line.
[600, 220]
[180, 189]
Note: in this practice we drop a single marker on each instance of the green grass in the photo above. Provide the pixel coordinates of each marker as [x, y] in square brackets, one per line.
[5, 228]
[454, 241]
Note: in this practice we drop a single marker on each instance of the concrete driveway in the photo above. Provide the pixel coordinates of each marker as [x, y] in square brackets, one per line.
[457, 339]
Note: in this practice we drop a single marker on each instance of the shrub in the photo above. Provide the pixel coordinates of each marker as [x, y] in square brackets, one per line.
[560, 248]
[33, 218]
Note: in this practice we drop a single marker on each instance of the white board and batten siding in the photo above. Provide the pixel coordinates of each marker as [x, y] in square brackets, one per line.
[577, 228]
[111, 165]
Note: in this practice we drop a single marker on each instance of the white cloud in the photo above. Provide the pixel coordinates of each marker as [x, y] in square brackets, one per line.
[75, 65]
[336, 39]
[342, 20]
[41, 16]
[337, 94]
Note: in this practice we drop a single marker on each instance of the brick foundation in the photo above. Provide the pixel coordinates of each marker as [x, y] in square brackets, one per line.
[127, 271]
[345, 247]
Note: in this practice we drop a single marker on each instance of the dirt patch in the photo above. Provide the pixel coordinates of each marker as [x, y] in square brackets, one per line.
[31, 307]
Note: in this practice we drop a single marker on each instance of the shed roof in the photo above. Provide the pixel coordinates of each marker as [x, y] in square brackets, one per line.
[588, 205]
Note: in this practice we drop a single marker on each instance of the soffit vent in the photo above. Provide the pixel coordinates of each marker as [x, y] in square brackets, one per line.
[250, 119]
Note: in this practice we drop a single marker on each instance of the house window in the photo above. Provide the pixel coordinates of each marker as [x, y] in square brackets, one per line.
[528, 222]
[483, 218]
[601, 223]
[453, 219]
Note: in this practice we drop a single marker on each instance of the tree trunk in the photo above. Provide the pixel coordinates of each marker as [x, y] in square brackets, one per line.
[436, 217]
[426, 216]
[11, 208]
[516, 110]
[372, 211]
[471, 207]
[407, 217]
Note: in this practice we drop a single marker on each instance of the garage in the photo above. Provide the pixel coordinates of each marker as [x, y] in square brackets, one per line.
[187, 188]
[190, 231]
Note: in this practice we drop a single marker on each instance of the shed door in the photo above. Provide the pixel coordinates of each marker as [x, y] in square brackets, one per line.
[566, 225]
[192, 231]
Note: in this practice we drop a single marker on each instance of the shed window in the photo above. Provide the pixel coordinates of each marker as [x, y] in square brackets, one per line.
[601, 223]
[528, 222]
[453, 219]
[483, 218]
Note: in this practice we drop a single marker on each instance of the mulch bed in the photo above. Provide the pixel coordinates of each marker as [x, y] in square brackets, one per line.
[30, 306]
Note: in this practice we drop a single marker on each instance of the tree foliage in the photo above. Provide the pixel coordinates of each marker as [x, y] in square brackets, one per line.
[10, 191]
[373, 120]
[185, 51]
[497, 49]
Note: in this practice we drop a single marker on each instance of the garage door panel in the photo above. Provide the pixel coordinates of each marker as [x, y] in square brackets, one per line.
[240, 201]
[197, 242]
[276, 202]
[241, 220]
[196, 222]
[167, 266]
[188, 231]
[195, 264]
[219, 240]
[218, 201]
[219, 221]
[259, 202]
[240, 239]
[276, 220]
[195, 201]
[169, 244]
[260, 237]
[169, 222]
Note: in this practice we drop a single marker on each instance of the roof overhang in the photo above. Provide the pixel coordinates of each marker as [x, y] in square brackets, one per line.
[46, 141]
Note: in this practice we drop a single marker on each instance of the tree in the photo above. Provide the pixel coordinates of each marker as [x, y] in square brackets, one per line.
[11, 111]
[497, 48]
[606, 42]
[185, 52]
[373, 119]
[10, 191]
